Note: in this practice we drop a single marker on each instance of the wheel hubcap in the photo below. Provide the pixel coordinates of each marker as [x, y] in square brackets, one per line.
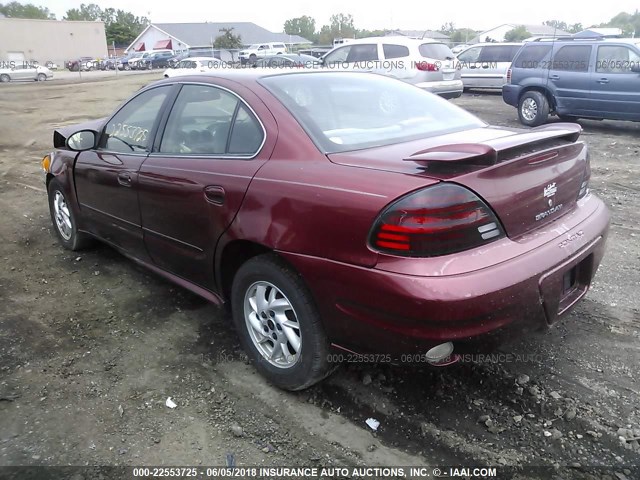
[272, 324]
[62, 216]
[529, 109]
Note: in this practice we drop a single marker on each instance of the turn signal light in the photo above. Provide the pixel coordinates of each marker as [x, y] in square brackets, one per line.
[46, 163]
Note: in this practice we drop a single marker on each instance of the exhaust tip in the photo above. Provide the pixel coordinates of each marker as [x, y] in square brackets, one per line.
[440, 355]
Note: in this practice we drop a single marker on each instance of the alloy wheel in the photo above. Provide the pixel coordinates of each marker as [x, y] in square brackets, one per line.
[272, 324]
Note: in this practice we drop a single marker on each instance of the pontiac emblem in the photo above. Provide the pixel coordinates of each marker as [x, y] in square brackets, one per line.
[550, 190]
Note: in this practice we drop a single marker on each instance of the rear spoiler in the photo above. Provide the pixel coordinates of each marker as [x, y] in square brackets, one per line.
[489, 153]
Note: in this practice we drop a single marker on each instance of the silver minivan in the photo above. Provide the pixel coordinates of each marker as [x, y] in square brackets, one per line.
[426, 63]
[485, 65]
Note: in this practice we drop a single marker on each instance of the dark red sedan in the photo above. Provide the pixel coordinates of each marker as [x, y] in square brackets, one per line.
[335, 210]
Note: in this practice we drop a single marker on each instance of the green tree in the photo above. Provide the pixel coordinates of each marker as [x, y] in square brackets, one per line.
[462, 35]
[575, 28]
[28, 10]
[342, 25]
[517, 34]
[628, 22]
[304, 26]
[557, 24]
[370, 33]
[89, 13]
[448, 28]
[120, 27]
[228, 39]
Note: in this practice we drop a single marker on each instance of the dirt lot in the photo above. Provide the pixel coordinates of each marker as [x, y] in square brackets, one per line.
[91, 346]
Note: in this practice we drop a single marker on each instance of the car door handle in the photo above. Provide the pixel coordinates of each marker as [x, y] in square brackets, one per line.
[603, 80]
[214, 194]
[124, 179]
[554, 77]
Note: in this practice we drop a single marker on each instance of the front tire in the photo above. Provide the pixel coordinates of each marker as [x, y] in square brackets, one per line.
[278, 324]
[64, 220]
[42, 77]
[533, 108]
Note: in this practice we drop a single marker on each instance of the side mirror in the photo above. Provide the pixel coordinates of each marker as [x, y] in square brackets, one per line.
[82, 140]
[635, 68]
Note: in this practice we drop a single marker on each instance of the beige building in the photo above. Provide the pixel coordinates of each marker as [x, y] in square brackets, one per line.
[50, 40]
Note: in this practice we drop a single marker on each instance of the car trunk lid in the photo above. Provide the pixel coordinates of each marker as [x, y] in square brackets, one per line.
[529, 177]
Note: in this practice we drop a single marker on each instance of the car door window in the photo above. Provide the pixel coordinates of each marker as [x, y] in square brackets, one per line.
[200, 123]
[394, 51]
[616, 59]
[572, 58]
[337, 56]
[496, 53]
[470, 56]
[128, 131]
[363, 53]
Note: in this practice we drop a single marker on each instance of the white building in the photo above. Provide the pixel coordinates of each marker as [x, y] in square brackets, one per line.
[497, 34]
[185, 36]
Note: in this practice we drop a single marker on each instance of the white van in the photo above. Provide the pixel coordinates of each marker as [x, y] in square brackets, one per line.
[485, 65]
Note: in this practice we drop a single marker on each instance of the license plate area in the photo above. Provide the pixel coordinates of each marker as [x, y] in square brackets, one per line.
[564, 286]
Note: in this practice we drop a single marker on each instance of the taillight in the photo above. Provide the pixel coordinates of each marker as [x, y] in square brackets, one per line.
[427, 67]
[584, 186]
[509, 76]
[438, 220]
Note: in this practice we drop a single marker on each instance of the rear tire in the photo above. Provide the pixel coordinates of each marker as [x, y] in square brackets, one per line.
[533, 108]
[4, 78]
[64, 219]
[278, 324]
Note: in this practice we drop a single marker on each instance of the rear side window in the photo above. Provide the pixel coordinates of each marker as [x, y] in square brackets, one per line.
[437, 51]
[394, 51]
[498, 53]
[616, 59]
[533, 57]
[572, 58]
[363, 53]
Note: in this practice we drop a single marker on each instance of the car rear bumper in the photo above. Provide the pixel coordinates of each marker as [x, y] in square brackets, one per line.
[444, 88]
[370, 310]
[511, 94]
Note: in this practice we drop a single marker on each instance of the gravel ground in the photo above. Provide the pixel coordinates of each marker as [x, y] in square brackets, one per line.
[91, 346]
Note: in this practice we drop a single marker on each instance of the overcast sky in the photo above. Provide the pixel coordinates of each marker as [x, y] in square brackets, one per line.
[369, 14]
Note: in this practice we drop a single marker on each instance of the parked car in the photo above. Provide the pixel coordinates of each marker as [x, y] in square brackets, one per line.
[575, 78]
[426, 63]
[156, 60]
[261, 50]
[135, 60]
[176, 59]
[193, 66]
[335, 210]
[289, 60]
[51, 65]
[123, 62]
[26, 71]
[84, 64]
[485, 65]
[458, 48]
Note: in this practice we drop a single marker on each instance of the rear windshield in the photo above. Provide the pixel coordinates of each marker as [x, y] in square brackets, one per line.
[437, 51]
[351, 111]
[532, 56]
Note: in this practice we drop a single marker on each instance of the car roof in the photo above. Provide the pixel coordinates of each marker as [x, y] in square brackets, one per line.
[497, 44]
[585, 41]
[397, 39]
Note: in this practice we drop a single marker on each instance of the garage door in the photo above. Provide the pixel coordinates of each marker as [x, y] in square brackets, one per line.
[16, 57]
